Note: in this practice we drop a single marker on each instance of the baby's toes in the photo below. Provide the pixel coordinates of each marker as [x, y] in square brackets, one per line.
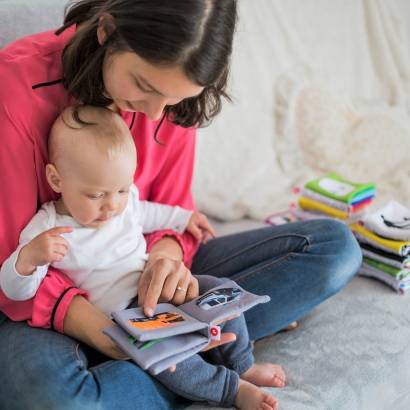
[279, 372]
[278, 381]
[265, 406]
[269, 402]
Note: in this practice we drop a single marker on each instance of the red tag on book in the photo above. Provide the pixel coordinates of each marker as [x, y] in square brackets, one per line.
[215, 333]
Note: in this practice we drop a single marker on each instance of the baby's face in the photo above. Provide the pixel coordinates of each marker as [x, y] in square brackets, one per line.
[97, 189]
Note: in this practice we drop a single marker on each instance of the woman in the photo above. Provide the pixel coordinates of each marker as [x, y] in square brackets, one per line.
[163, 66]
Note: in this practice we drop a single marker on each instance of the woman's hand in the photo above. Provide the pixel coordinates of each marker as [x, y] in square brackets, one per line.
[165, 280]
[227, 337]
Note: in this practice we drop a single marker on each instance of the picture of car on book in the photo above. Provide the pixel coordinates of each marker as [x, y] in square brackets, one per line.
[218, 297]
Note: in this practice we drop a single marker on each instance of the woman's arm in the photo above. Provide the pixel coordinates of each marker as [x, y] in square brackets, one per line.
[166, 276]
[20, 159]
[172, 186]
[84, 322]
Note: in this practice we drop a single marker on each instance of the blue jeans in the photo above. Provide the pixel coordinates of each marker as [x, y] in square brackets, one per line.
[298, 265]
[213, 376]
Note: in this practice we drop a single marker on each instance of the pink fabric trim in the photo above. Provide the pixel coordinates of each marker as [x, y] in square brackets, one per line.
[48, 294]
[187, 242]
[63, 306]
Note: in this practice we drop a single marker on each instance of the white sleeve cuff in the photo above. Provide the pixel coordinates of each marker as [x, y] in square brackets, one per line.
[16, 286]
[182, 217]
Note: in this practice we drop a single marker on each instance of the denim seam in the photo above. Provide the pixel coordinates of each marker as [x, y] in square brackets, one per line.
[230, 390]
[241, 366]
[107, 362]
[76, 353]
[252, 247]
[285, 258]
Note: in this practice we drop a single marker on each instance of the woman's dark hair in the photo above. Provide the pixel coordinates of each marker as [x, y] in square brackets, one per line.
[195, 34]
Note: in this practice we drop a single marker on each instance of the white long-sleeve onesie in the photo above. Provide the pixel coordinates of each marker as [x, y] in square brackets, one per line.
[106, 262]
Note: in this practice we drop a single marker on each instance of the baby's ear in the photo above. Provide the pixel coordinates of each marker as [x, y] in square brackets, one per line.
[53, 178]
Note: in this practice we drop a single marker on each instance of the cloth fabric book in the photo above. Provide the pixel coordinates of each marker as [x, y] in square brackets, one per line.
[402, 262]
[313, 205]
[281, 218]
[400, 286]
[307, 193]
[173, 333]
[335, 187]
[396, 273]
[392, 221]
[401, 248]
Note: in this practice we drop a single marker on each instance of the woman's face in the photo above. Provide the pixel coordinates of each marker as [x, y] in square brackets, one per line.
[138, 86]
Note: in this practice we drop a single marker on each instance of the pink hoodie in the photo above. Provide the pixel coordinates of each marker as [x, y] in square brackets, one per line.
[31, 97]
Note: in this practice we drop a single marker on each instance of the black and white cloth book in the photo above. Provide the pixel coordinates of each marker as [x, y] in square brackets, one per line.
[173, 333]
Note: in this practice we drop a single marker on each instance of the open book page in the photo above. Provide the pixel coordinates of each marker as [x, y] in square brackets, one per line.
[168, 320]
[222, 302]
[158, 354]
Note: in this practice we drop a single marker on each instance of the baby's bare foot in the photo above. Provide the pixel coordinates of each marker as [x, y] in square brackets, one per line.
[291, 326]
[251, 397]
[265, 374]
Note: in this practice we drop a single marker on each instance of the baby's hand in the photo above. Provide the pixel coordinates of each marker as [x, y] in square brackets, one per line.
[45, 248]
[200, 227]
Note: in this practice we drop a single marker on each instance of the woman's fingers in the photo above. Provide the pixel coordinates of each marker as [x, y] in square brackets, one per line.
[181, 289]
[165, 280]
[143, 284]
[193, 289]
[168, 281]
[177, 277]
[154, 290]
[225, 338]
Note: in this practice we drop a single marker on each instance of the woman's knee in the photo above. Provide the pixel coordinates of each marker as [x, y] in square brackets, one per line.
[342, 255]
[348, 259]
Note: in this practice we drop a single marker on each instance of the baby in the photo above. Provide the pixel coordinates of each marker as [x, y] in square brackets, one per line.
[94, 234]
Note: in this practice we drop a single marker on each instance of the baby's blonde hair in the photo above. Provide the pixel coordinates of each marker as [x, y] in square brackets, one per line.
[85, 127]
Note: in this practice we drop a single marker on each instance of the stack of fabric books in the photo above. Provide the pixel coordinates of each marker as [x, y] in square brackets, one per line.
[335, 197]
[384, 236]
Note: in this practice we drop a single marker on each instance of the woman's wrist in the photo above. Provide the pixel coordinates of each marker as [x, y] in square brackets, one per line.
[85, 322]
[166, 247]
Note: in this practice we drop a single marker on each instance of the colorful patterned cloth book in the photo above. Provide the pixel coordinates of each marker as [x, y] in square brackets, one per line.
[173, 333]
[335, 187]
[401, 286]
[310, 204]
[396, 273]
[391, 221]
[401, 248]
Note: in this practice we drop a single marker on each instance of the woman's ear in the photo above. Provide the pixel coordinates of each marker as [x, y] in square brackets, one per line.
[53, 178]
[105, 27]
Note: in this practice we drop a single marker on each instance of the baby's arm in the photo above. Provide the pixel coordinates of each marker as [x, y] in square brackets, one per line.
[200, 228]
[158, 216]
[22, 273]
[44, 249]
